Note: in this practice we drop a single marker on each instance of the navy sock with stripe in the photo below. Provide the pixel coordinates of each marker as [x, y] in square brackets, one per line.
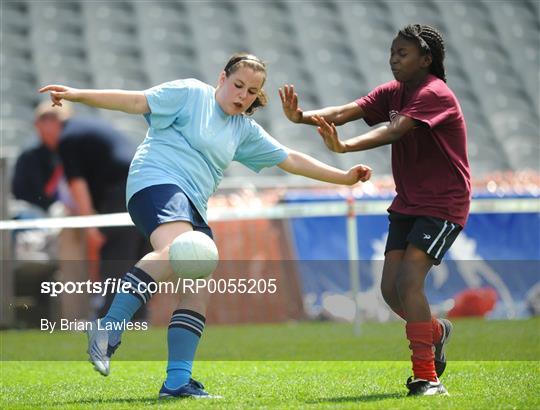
[126, 304]
[183, 336]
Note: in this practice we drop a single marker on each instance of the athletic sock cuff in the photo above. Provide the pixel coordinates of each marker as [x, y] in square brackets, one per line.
[189, 320]
[419, 329]
[143, 286]
[141, 275]
[420, 336]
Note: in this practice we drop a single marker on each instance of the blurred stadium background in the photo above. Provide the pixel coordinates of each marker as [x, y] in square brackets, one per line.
[333, 52]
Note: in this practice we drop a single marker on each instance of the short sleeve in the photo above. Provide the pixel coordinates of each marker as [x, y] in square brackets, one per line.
[166, 102]
[258, 149]
[375, 105]
[430, 108]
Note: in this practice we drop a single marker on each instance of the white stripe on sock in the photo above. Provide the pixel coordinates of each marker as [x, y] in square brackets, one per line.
[199, 331]
[133, 277]
[182, 315]
[136, 287]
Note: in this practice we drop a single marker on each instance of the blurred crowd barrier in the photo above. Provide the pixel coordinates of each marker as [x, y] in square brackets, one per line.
[497, 184]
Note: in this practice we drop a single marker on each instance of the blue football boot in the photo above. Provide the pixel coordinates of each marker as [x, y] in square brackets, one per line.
[193, 389]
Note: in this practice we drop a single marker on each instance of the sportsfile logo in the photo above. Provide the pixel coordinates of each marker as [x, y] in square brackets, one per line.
[113, 286]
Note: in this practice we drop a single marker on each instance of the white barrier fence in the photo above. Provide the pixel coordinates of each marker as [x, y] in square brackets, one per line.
[279, 211]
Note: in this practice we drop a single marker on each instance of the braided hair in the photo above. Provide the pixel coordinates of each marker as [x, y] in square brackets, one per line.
[430, 41]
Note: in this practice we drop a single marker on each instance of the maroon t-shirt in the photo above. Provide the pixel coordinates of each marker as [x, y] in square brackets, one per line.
[429, 163]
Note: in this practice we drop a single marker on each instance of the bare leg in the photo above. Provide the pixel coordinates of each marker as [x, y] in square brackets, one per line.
[410, 284]
[392, 265]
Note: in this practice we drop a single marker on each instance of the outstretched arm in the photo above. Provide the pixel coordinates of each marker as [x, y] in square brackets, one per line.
[301, 164]
[132, 102]
[339, 115]
[387, 134]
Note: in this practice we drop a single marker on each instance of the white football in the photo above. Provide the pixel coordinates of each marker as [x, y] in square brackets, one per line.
[193, 255]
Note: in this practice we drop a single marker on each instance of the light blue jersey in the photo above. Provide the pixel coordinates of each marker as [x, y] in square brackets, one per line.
[191, 141]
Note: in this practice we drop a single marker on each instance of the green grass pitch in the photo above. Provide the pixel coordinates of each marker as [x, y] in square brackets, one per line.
[492, 364]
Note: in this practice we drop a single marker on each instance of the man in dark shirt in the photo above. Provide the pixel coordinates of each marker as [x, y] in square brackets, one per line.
[38, 171]
[94, 159]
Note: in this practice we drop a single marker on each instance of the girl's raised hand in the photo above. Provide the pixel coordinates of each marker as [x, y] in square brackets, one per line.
[59, 93]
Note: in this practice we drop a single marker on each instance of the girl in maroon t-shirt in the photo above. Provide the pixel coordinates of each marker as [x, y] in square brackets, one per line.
[429, 162]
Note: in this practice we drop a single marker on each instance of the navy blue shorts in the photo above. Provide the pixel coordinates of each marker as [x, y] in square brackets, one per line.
[433, 235]
[158, 204]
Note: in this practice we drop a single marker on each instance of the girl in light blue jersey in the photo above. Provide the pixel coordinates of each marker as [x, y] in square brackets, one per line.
[195, 131]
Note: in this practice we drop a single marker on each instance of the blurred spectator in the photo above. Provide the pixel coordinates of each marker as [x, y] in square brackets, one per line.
[94, 159]
[38, 172]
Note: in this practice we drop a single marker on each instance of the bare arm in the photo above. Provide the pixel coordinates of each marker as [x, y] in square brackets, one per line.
[81, 196]
[387, 134]
[339, 115]
[132, 102]
[85, 206]
[301, 164]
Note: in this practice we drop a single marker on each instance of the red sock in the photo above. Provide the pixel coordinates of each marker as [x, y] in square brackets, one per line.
[437, 327]
[420, 335]
[437, 330]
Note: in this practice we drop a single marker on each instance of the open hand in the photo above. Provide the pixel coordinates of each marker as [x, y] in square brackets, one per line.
[60, 92]
[289, 102]
[359, 172]
[329, 134]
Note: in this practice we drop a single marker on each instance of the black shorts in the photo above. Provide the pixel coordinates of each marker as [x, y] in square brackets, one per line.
[433, 235]
[158, 204]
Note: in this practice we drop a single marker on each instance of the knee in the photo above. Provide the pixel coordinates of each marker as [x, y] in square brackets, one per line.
[157, 264]
[408, 284]
[389, 292]
[164, 250]
[162, 255]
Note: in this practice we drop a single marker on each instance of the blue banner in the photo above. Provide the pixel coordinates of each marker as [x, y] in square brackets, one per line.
[496, 250]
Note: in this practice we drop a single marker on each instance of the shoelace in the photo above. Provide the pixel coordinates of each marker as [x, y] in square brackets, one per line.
[196, 384]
